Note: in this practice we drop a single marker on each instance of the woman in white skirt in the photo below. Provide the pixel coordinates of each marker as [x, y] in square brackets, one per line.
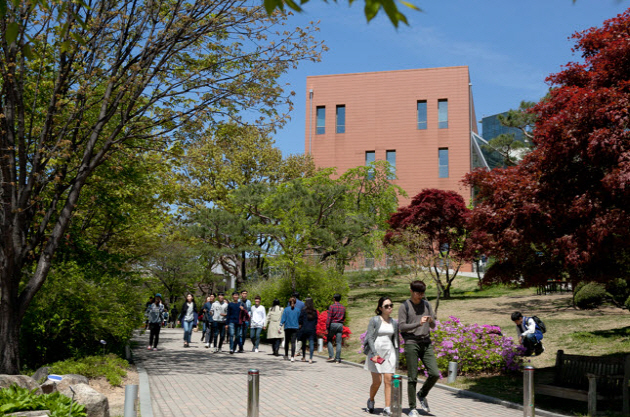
[381, 347]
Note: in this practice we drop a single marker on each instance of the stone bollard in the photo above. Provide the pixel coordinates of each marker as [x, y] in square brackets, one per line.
[452, 372]
[131, 395]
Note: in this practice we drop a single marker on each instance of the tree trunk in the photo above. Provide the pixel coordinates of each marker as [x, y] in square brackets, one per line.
[10, 320]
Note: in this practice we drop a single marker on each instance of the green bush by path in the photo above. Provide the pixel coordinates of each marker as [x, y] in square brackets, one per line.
[109, 366]
[14, 399]
[590, 296]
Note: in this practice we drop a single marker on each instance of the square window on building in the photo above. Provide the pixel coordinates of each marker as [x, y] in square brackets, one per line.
[321, 120]
[443, 162]
[443, 114]
[391, 158]
[341, 119]
[422, 114]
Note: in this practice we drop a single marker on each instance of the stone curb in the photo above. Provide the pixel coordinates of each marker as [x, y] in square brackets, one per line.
[465, 393]
[144, 392]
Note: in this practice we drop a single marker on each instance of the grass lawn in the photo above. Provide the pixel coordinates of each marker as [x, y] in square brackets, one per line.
[596, 332]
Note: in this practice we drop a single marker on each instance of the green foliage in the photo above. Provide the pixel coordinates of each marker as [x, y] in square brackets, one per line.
[627, 303]
[317, 282]
[372, 8]
[77, 307]
[619, 290]
[590, 296]
[14, 399]
[109, 366]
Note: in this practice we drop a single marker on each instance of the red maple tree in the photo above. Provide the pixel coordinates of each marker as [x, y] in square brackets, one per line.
[565, 208]
[433, 228]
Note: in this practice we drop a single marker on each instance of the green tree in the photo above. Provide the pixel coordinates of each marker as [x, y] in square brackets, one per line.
[104, 78]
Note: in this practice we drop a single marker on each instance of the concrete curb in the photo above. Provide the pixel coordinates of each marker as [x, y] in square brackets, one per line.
[479, 397]
[144, 392]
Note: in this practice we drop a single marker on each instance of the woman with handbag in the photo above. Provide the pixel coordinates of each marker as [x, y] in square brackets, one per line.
[381, 347]
[272, 323]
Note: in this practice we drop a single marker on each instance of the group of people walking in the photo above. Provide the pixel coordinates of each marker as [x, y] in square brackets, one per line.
[295, 324]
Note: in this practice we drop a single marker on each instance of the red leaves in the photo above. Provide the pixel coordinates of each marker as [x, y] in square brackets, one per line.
[566, 206]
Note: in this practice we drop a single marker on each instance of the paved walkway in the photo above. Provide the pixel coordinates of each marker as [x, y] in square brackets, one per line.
[195, 382]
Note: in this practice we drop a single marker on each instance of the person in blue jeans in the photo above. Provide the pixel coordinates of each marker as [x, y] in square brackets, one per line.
[291, 323]
[231, 321]
[241, 331]
[529, 334]
[188, 318]
[334, 327]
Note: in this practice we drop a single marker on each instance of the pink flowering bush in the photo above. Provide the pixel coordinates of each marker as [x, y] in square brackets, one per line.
[478, 349]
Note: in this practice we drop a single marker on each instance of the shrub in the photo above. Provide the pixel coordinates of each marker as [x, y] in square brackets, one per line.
[14, 399]
[477, 348]
[627, 303]
[75, 309]
[590, 296]
[619, 290]
[109, 366]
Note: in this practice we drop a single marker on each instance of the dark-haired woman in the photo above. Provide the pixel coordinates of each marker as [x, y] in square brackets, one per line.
[188, 318]
[308, 325]
[291, 323]
[381, 348]
[272, 323]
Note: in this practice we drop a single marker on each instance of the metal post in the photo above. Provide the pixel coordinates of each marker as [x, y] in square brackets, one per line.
[528, 392]
[396, 407]
[452, 372]
[253, 377]
[131, 395]
[320, 345]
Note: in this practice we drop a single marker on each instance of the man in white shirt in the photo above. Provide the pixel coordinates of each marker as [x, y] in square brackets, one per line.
[219, 310]
[258, 317]
[529, 334]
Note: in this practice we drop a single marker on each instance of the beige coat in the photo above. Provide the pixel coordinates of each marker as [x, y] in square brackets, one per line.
[274, 315]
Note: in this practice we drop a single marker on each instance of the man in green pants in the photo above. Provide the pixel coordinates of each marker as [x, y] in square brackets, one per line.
[415, 316]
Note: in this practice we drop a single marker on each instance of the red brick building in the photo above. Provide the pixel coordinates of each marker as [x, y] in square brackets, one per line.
[421, 121]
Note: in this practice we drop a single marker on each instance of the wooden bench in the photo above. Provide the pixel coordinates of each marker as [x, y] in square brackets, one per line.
[590, 378]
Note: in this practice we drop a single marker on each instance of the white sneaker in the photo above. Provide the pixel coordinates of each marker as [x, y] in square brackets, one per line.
[256, 350]
[423, 403]
[414, 413]
[292, 359]
[150, 347]
[207, 345]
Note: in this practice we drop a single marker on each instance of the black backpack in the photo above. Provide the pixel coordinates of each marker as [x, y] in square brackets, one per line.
[540, 324]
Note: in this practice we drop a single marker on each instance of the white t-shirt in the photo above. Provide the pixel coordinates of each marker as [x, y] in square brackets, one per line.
[258, 317]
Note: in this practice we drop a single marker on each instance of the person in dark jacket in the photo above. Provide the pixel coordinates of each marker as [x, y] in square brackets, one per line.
[308, 326]
[188, 318]
[232, 321]
[208, 320]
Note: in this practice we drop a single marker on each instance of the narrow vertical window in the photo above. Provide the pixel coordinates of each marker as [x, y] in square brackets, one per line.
[370, 157]
[422, 114]
[321, 120]
[443, 162]
[391, 158]
[341, 119]
[443, 114]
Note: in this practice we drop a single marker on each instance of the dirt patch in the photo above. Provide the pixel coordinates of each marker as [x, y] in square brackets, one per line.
[116, 395]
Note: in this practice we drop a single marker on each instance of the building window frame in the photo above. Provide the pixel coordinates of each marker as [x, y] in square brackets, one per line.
[421, 114]
[443, 113]
[340, 121]
[390, 156]
[443, 163]
[320, 120]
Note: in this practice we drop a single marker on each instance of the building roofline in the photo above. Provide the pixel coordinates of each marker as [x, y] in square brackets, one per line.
[388, 71]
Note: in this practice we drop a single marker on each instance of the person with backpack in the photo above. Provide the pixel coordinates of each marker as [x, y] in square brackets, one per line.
[530, 333]
[415, 319]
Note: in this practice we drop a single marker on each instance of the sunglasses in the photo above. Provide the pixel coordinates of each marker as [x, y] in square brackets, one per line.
[388, 305]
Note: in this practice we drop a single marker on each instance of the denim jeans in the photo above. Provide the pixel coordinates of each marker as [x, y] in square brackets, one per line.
[188, 327]
[154, 336]
[423, 352]
[218, 332]
[242, 334]
[254, 334]
[233, 331]
[311, 344]
[336, 330]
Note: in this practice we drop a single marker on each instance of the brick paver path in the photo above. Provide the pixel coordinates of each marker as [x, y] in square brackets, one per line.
[195, 382]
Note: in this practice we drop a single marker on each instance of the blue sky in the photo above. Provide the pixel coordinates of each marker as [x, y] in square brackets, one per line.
[510, 47]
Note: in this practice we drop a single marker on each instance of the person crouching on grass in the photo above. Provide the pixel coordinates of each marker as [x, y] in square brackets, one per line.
[529, 334]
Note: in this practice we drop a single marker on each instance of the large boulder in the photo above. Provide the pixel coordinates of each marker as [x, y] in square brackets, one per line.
[49, 386]
[21, 381]
[95, 403]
